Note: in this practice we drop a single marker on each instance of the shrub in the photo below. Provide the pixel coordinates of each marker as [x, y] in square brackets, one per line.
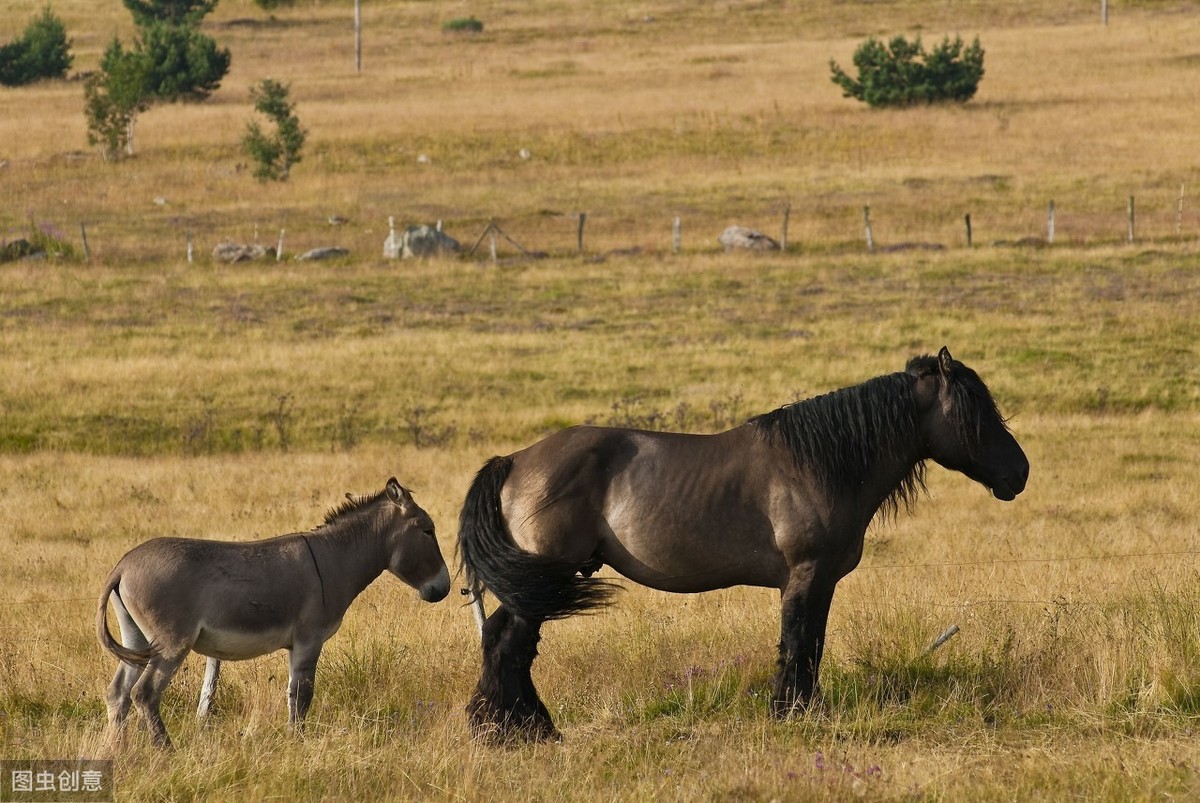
[181, 62]
[274, 154]
[463, 25]
[900, 73]
[113, 98]
[174, 12]
[43, 51]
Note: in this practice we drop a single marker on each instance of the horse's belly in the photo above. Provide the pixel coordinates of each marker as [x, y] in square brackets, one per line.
[238, 645]
[692, 563]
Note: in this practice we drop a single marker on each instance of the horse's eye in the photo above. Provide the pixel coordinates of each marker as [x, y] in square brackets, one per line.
[431, 533]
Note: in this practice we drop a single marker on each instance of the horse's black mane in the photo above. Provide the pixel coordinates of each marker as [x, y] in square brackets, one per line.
[841, 434]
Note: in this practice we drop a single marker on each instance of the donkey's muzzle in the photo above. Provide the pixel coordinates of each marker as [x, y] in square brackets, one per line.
[436, 589]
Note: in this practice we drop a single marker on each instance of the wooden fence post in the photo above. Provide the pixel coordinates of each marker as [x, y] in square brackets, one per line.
[582, 220]
[867, 225]
[1050, 223]
[279, 248]
[676, 235]
[1129, 214]
[357, 36]
[190, 249]
[87, 252]
[787, 213]
[1179, 214]
[967, 220]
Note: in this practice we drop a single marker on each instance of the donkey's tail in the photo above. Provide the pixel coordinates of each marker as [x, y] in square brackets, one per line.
[126, 654]
[533, 586]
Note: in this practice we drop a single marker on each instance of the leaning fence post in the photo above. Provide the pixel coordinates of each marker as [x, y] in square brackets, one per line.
[1129, 214]
[87, 253]
[676, 234]
[946, 635]
[967, 220]
[867, 224]
[279, 248]
[582, 220]
[1050, 223]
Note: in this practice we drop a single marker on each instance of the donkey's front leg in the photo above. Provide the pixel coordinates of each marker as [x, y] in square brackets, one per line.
[208, 689]
[806, 602]
[302, 667]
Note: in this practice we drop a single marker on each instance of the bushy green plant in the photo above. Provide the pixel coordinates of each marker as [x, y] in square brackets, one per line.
[181, 62]
[113, 97]
[43, 51]
[274, 154]
[463, 25]
[174, 12]
[901, 73]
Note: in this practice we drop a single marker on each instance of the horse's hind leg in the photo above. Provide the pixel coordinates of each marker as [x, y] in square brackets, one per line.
[806, 604]
[148, 691]
[208, 689]
[505, 704]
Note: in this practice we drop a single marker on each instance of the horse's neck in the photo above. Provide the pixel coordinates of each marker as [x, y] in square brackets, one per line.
[349, 556]
[892, 480]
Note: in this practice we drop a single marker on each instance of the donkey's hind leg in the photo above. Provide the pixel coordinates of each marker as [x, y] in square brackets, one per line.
[117, 698]
[505, 704]
[208, 689]
[148, 691]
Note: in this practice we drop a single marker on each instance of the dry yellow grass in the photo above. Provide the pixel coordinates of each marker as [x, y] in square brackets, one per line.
[141, 394]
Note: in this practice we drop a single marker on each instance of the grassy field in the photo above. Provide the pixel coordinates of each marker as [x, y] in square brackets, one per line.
[145, 396]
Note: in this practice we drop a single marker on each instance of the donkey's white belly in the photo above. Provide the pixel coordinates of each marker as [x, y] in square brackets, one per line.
[238, 645]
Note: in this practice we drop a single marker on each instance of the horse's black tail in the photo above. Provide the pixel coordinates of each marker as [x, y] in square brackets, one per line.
[532, 586]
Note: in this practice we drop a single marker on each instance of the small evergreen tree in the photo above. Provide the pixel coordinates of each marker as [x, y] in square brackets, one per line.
[43, 51]
[274, 154]
[181, 62]
[901, 73]
[173, 12]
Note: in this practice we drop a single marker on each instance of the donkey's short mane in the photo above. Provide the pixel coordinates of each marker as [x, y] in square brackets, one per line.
[352, 504]
[842, 433]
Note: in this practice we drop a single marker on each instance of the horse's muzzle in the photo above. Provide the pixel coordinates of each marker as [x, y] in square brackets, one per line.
[1007, 488]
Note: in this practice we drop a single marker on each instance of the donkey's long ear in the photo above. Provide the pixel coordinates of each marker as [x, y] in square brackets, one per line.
[945, 362]
[397, 492]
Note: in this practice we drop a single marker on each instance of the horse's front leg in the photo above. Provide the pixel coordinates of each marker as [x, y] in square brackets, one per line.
[806, 601]
[302, 675]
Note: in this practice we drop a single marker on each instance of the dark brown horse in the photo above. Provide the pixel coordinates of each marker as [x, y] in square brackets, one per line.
[782, 501]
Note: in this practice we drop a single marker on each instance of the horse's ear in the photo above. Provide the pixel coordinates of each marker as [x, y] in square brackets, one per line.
[945, 362]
